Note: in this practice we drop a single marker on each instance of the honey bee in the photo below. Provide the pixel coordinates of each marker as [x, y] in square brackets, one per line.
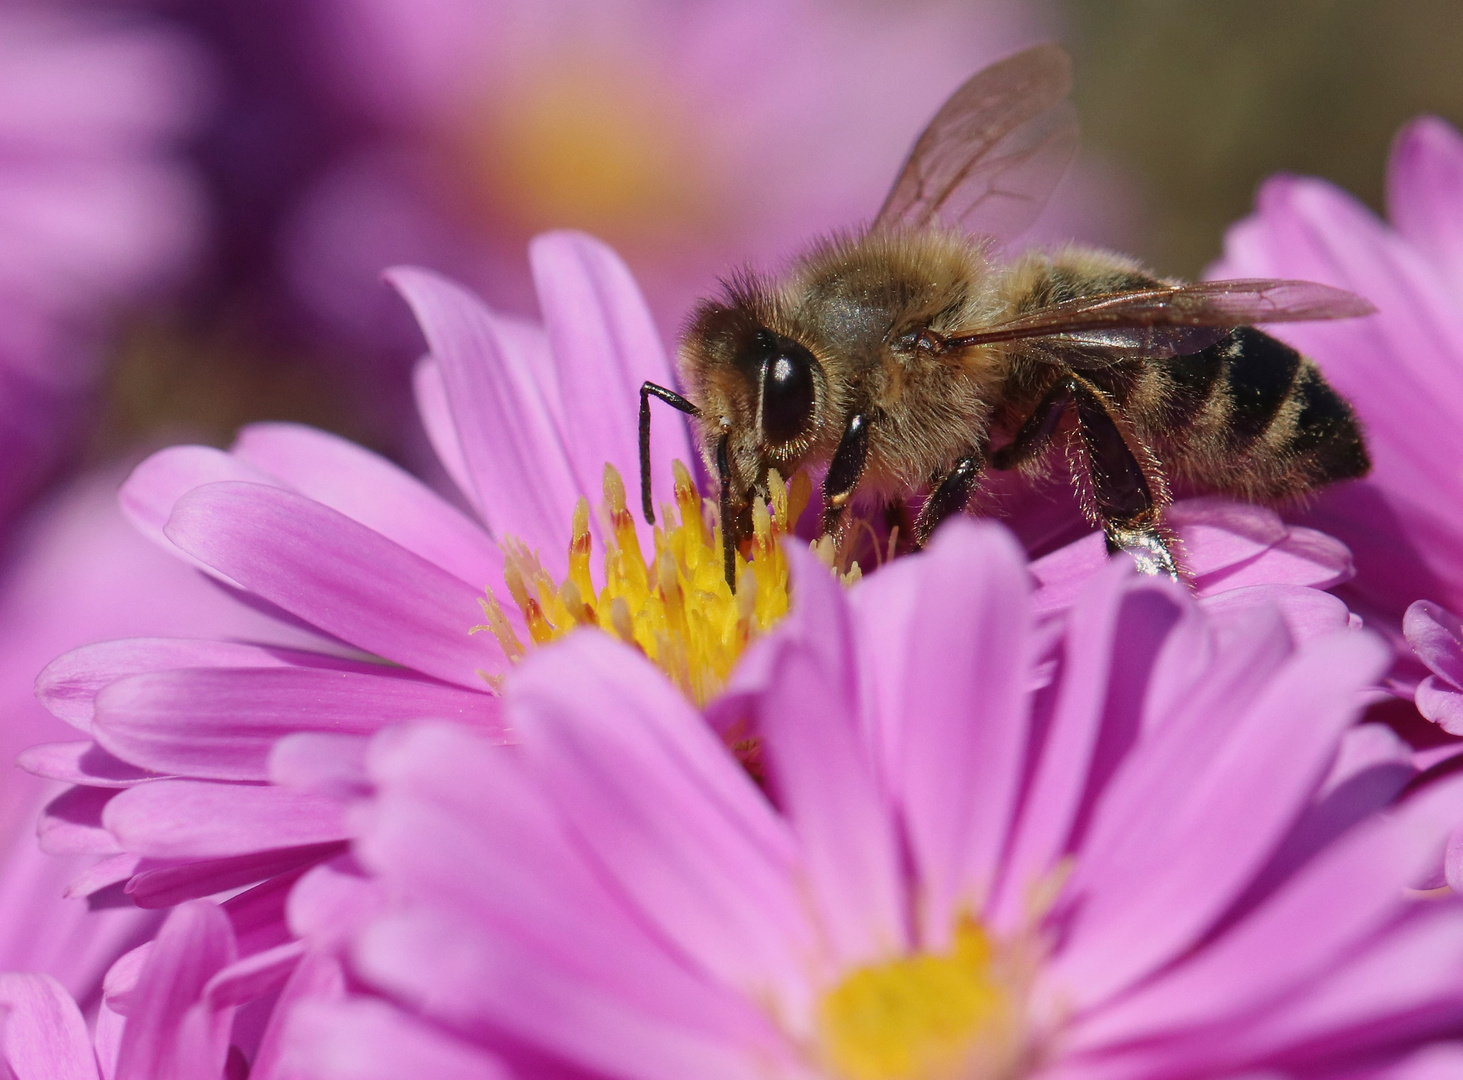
[910, 357]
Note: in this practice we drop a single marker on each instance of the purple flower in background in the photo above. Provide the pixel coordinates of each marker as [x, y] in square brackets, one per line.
[1402, 368]
[1148, 846]
[97, 209]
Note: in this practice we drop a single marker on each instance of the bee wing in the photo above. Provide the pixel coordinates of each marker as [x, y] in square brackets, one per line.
[1170, 320]
[992, 155]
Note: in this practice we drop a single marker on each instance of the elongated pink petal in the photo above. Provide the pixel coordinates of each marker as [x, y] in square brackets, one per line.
[222, 723]
[511, 445]
[42, 1034]
[1424, 185]
[1307, 613]
[170, 1033]
[368, 1040]
[682, 827]
[458, 828]
[329, 764]
[957, 665]
[605, 345]
[254, 976]
[1436, 636]
[1149, 889]
[435, 410]
[82, 763]
[157, 883]
[155, 486]
[316, 980]
[338, 575]
[69, 684]
[178, 819]
[1114, 634]
[1350, 891]
[373, 491]
[71, 823]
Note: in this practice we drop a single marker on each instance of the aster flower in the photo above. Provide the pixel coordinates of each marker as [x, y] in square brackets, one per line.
[1401, 368]
[1151, 848]
[97, 211]
[212, 764]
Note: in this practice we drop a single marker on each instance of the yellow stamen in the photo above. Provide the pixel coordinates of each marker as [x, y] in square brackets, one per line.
[930, 1016]
[675, 607]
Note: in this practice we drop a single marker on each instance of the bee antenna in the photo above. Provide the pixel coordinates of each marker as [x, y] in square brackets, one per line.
[728, 550]
[673, 399]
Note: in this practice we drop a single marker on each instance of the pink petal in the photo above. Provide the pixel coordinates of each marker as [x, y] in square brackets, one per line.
[222, 723]
[1097, 715]
[366, 1039]
[521, 481]
[82, 763]
[42, 1034]
[1441, 703]
[158, 883]
[1156, 875]
[435, 410]
[316, 979]
[955, 658]
[329, 764]
[1321, 915]
[1436, 636]
[71, 823]
[170, 1033]
[605, 345]
[155, 486]
[332, 901]
[1425, 193]
[338, 575]
[373, 491]
[1307, 613]
[677, 823]
[69, 684]
[178, 819]
[254, 976]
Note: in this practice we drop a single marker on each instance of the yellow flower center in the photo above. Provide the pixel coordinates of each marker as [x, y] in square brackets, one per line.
[676, 606]
[931, 1016]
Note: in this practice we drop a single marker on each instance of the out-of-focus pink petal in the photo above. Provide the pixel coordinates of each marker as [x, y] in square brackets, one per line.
[332, 901]
[327, 763]
[171, 1034]
[69, 684]
[689, 829]
[498, 859]
[254, 976]
[605, 345]
[368, 488]
[1425, 193]
[316, 979]
[435, 410]
[1441, 1061]
[178, 819]
[222, 723]
[338, 575]
[42, 1034]
[1349, 892]
[1149, 889]
[368, 1040]
[1307, 613]
[1114, 633]
[956, 663]
[522, 483]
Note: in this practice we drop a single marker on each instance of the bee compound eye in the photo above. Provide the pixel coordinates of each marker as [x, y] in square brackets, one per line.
[787, 393]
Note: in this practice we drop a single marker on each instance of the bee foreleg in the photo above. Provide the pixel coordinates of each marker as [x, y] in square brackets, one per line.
[1038, 429]
[845, 470]
[1121, 494]
[949, 497]
[673, 399]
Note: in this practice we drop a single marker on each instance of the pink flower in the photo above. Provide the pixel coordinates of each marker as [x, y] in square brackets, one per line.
[1147, 846]
[1402, 368]
[97, 210]
[208, 764]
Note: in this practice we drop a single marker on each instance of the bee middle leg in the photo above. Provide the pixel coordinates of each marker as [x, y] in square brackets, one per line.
[1121, 493]
[949, 496]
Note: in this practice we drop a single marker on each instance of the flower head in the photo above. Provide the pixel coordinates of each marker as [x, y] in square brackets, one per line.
[1148, 847]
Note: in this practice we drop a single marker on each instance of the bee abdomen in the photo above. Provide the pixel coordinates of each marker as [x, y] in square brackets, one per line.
[1253, 417]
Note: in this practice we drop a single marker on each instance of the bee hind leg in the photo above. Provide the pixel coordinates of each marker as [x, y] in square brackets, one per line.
[1036, 433]
[1121, 493]
[949, 497]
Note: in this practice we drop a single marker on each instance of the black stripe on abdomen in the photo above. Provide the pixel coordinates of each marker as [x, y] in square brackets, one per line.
[1260, 371]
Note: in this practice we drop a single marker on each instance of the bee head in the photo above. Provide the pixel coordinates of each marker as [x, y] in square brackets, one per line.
[756, 384]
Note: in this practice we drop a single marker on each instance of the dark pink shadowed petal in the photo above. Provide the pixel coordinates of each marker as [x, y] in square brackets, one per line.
[170, 1032]
[367, 1040]
[42, 1033]
[338, 575]
[83, 763]
[952, 659]
[697, 849]
[375, 492]
[222, 723]
[71, 823]
[1148, 889]
[194, 819]
[605, 345]
[158, 883]
[512, 447]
